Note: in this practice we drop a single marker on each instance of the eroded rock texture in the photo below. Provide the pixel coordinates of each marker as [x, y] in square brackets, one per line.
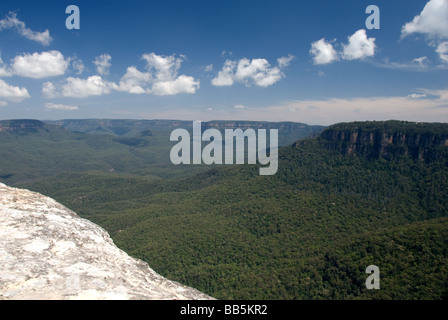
[48, 252]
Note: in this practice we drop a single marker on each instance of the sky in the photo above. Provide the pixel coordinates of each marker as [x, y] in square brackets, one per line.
[317, 62]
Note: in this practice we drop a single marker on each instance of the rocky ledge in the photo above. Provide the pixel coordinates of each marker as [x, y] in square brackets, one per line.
[48, 252]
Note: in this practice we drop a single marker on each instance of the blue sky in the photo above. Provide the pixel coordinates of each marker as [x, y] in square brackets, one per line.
[306, 61]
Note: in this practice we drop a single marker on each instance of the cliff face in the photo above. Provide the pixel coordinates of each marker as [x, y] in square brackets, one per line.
[386, 139]
[48, 252]
[21, 125]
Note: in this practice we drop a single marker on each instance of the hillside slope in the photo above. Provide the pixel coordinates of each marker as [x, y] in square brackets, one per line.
[307, 232]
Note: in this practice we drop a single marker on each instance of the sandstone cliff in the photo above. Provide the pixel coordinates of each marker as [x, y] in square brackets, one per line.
[386, 139]
[48, 252]
[21, 125]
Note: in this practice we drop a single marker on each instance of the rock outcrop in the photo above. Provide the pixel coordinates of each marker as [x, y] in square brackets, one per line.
[387, 139]
[48, 252]
[21, 125]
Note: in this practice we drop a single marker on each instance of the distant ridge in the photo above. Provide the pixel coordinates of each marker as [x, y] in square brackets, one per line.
[288, 131]
[21, 125]
[387, 138]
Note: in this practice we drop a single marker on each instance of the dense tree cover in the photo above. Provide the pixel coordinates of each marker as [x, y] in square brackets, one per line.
[31, 149]
[307, 232]
[393, 126]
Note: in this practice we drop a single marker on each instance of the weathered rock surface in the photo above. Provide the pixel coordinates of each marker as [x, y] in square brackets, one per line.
[48, 252]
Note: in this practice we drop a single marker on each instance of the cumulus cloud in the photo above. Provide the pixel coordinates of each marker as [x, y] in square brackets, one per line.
[323, 52]
[432, 21]
[182, 84]
[11, 22]
[284, 61]
[102, 63]
[359, 46]
[165, 67]
[81, 88]
[49, 90]
[165, 75]
[4, 70]
[78, 88]
[55, 106]
[40, 65]
[12, 93]
[255, 71]
[134, 81]
[161, 78]
[259, 71]
[77, 65]
[442, 50]
[225, 76]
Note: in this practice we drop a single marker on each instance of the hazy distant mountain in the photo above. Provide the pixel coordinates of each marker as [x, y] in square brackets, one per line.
[288, 131]
[31, 149]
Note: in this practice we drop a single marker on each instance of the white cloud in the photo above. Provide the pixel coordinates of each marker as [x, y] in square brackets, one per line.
[359, 46]
[323, 52]
[432, 21]
[255, 71]
[102, 63]
[258, 71]
[208, 68]
[225, 53]
[417, 64]
[442, 50]
[40, 65]
[3, 103]
[166, 67]
[12, 93]
[225, 76]
[11, 22]
[160, 79]
[78, 88]
[77, 65]
[81, 88]
[4, 70]
[420, 61]
[417, 95]
[165, 79]
[49, 90]
[182, 84]
[133, 81]
[239, 106]
[284, 61]
[55, 106]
